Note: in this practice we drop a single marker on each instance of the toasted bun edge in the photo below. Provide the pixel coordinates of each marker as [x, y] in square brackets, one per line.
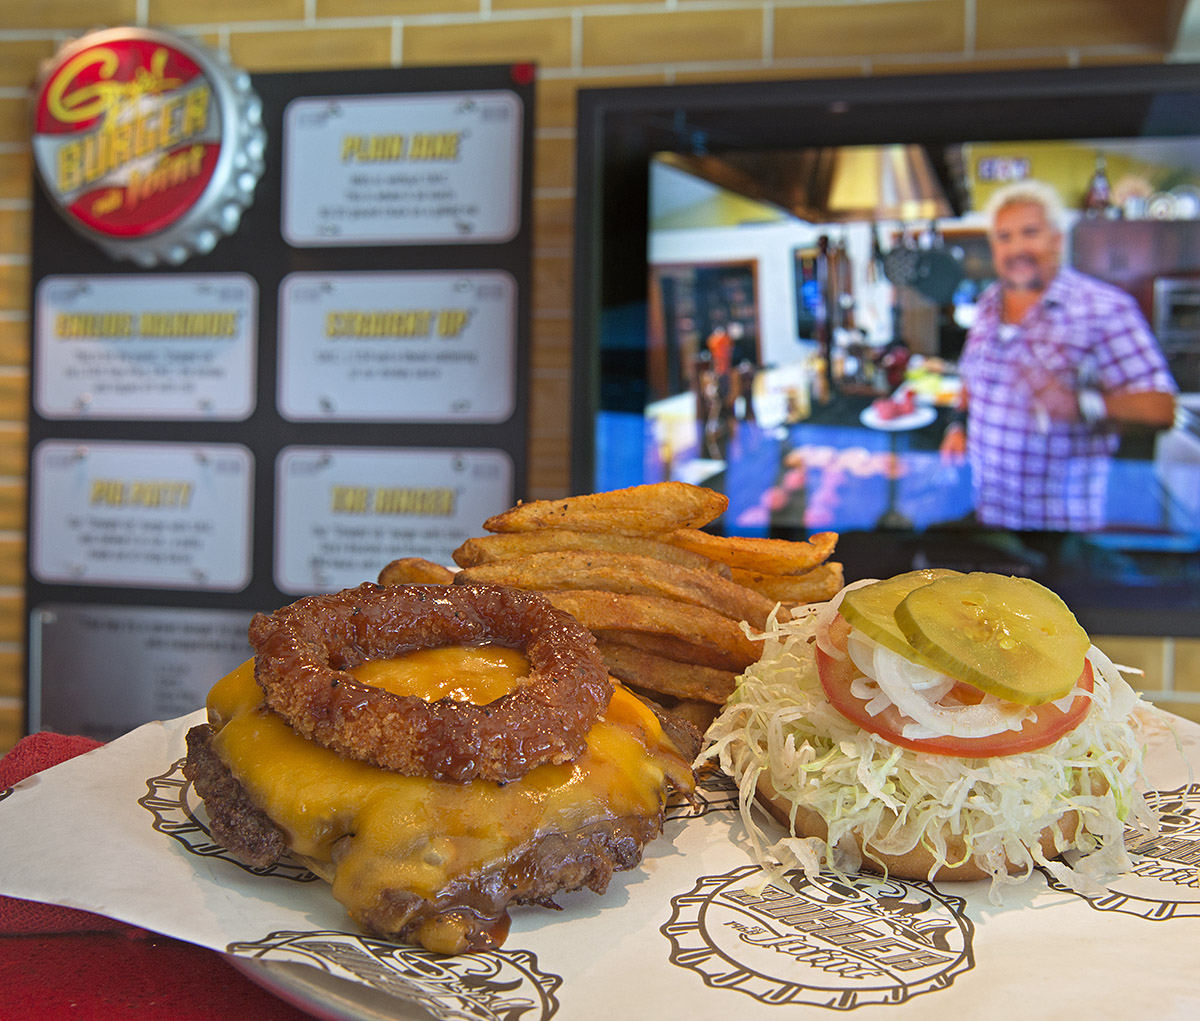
[914, 864]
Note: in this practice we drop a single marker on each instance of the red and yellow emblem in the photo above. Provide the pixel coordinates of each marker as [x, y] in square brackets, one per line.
[130, 130]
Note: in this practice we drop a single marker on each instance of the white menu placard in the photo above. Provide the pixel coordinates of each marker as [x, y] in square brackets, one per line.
[144, 346]
[397, 347]
[343, 513]
[400, 169]
[150, 515]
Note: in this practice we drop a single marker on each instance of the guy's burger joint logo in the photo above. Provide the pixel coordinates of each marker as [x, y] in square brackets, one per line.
[1164, 883]
[825, 943]
[147, 143]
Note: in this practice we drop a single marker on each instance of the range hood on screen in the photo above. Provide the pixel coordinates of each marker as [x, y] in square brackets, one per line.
[832, 184]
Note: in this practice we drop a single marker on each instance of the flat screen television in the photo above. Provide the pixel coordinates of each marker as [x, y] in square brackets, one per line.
[773, 284]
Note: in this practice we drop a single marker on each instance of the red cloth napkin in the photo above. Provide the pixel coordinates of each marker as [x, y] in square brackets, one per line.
[58, 962]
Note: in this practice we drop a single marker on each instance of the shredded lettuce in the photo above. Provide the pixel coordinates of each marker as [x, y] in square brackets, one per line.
[778, 723]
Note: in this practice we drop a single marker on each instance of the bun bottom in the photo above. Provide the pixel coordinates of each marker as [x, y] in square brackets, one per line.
[914, 864]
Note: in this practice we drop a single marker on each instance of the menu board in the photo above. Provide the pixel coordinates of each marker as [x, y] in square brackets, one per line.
[343, 513]
[397, 347]
[154, 515]
[146, 347]
[339, 380]
[367, 170]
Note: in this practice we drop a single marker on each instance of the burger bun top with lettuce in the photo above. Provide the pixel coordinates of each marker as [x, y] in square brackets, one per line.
[938, 725]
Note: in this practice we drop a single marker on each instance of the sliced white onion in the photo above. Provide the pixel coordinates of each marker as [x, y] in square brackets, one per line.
[894, 675]
[862, 655]
[868, 691]
[826, 612]
[876, 701]
[862, 652]
[1064, 703]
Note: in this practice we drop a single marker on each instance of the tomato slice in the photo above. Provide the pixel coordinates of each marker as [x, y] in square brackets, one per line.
[1048, 724]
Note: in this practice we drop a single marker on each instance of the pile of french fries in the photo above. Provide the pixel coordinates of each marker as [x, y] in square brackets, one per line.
[664, 599]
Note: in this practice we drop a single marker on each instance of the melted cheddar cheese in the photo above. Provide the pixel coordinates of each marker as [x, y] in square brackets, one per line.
[376, 830]
[476, 674]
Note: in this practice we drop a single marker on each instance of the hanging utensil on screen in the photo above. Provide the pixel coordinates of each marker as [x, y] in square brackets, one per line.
[938, 270]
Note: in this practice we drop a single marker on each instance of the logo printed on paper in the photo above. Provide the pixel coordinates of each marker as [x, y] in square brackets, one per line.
[715, 792]
[1165, 881]
[487, 986]
[828, 943]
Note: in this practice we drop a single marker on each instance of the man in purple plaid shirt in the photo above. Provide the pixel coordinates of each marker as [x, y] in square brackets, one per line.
[1054, 363]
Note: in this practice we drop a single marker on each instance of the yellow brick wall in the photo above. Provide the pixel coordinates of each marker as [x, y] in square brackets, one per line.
[589, 43]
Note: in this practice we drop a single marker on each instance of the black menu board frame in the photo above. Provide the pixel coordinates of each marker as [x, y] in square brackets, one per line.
[63, 610]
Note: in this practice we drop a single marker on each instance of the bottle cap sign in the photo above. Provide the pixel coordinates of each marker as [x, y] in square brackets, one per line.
[148, 144]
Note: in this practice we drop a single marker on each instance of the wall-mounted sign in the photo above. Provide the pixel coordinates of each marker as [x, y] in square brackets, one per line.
[397, 347]
[147, 143]
[440, 168]
[153, 515]
[94, 668]
[141, 346]
[342, 514]
[288, 412]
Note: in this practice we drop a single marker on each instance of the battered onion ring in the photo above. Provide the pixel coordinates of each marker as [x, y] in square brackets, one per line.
[302, 653]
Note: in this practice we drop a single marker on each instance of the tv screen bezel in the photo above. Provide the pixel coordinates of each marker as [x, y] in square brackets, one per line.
[618, 130]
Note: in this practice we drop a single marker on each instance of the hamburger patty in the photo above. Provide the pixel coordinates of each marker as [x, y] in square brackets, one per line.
[234, 820]
[474, 904]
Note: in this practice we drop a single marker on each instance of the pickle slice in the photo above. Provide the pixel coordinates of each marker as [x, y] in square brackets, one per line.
[1009, 637]
[872, 608]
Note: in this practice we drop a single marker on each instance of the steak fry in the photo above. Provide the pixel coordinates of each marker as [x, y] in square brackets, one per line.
[659, 616]
[624, 573]
[817, 585]
[665, 600]
[751, 553]
[485, 549]
[693, 711]
[673, 647]
[415, 571]
[658, 507]
[656, 673]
